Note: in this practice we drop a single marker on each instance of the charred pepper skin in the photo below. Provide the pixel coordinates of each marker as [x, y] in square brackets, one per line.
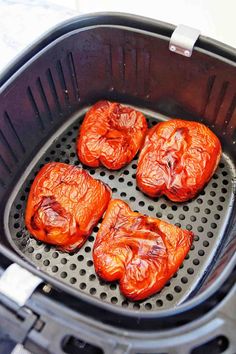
[178, 158]
[64, 205]
[110, 135]
[141, 252]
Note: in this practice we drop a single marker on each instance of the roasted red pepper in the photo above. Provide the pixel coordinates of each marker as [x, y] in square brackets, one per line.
[110, 135]
[178, 158]
[64, 205]
[140, 251]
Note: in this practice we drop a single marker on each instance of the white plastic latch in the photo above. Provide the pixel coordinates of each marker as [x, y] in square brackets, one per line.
[18, 284]
[183, 39]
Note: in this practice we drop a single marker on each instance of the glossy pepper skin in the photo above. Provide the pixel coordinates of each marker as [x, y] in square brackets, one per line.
[110, 135]
[178, 158]
[140, 251]
[64, 205]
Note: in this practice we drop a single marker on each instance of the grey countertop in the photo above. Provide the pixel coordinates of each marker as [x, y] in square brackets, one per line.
[22, 22]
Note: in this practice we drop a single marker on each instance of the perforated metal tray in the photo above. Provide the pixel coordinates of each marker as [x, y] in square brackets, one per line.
[206, 216]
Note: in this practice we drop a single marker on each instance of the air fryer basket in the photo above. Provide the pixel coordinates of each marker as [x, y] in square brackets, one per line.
[43, 100]
[207, 216]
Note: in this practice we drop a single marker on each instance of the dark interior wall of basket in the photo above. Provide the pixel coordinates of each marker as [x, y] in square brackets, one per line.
[110, 63]
[206, 216]
[138, 69]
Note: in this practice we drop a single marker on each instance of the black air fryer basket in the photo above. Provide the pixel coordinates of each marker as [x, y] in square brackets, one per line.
[43, 98]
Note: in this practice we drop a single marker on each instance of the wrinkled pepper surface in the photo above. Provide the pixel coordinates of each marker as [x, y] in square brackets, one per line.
[141, 252]
[110, 135]
[64, 205]
[177, 160]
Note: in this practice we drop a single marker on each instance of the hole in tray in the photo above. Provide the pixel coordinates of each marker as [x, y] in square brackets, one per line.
[196, 261]
[55, 255]
[184, 280]
[136, 306]
[148, 306]
[90, 263]
[210, 234]
[114, 300]
[205, 243]
[201, 253]
[54, 269]
[177, 289]
[159, 303]
[190, 271]
[113, 286]
[163, 206]
[103, 296]
[124, 303]
[92, 291]
[73, 280]
[169, 297]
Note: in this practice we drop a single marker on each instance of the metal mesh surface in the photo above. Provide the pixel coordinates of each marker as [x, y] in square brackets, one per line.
[206, 216]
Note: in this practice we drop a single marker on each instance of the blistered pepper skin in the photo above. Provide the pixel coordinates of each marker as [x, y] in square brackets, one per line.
[141, 252]
[64, 205]
[110, 135]
[177, 160]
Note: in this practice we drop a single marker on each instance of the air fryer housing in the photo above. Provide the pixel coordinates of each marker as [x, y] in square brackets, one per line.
[43, 98]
